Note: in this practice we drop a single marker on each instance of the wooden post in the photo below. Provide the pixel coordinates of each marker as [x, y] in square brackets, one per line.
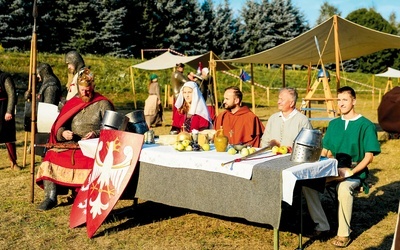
[253, 102]
[133, 87]
[33, 88]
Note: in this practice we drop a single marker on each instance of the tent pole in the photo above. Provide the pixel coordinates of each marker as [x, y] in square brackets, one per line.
[252, 89]
[283, 76]
[133, 87]
[213, 67]
[337, 51]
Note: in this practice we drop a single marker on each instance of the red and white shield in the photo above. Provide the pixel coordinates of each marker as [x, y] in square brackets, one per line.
[116, 157]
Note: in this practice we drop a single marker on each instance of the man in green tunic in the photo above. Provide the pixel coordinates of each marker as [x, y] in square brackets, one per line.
[356, 136]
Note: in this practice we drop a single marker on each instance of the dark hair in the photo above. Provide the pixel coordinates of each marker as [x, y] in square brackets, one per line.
[347, 89]
[236, 92]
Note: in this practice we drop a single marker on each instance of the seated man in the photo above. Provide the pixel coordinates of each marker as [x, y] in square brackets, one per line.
[79, 119]
[356, 136]
[283, 127]
[240, 125]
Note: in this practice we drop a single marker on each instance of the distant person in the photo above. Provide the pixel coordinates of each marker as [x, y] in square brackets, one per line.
[8, 100]
[152, 108]
[177, 81]
[50, 89]
[240, 125]
[354, 136]
[79, 119]
[75, 64]
[207, 90]
[283, 127]
[191, 108]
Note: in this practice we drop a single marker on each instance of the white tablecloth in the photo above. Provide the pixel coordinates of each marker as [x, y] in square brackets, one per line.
[211, 161]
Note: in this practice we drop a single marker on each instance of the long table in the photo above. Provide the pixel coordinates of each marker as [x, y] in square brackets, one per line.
[257, 198]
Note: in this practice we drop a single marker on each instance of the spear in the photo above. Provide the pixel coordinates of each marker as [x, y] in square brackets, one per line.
[33, 62]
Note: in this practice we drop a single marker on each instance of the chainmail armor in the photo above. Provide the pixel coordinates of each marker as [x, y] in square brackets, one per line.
[87, 120]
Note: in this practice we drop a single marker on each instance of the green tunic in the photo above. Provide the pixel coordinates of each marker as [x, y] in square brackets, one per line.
[358, 138]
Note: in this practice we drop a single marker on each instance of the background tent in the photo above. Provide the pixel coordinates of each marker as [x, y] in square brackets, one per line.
[168, 60]
[390, 73]
[338, 38]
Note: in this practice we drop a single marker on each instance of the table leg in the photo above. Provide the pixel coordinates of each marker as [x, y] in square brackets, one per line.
[300, 247]
[276, 239]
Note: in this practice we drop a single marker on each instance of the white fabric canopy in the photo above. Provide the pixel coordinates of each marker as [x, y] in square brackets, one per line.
[168, 60]
[353, 41]
[390, 73]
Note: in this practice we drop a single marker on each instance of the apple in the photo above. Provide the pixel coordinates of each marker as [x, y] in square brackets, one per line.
[189, 148]
[244, 152]
[185, 143]
[232, 151]
[275, 149]
[252, 150]
[283, 150]
[180, 147]
[205, 147]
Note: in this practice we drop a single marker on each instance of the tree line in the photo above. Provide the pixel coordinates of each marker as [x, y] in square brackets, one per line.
[122, 28]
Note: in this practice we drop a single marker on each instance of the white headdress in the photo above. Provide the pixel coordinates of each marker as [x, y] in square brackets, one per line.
[198, 105]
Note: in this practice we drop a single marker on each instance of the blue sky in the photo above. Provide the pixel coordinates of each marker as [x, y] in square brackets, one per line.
[310, 8]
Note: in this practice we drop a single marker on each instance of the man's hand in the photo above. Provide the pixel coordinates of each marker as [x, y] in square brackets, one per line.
[345, 172]
[68, 135]
[88, 135]
[8, 117]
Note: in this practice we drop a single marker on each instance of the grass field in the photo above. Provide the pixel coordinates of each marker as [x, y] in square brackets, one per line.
[157, 226]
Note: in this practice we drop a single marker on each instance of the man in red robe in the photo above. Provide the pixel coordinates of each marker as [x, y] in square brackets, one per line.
[240, 125]
[79, 119]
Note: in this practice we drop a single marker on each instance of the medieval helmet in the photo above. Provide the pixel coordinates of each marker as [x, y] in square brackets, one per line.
[321, 74]
[44, 70]
[74, 58]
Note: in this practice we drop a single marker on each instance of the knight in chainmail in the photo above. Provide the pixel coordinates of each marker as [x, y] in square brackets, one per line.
[8, 100]
[50, 89]
[79, 119]
[75, 64]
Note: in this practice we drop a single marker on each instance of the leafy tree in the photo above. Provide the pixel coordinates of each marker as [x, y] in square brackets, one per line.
[288, 21]
[327, 11]
[16, 23]
[379, 61]
[110, 19]
[251, 27]
[225, 39]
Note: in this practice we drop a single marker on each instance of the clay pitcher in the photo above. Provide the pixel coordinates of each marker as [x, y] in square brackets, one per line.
[220, 141]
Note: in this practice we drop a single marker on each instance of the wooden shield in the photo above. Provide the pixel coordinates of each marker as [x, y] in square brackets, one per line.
[116, 157]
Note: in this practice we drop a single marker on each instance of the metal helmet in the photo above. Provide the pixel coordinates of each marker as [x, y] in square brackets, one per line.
[74, 58]
[321, 74]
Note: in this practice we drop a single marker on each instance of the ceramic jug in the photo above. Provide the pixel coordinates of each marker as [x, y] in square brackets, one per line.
[220, 141]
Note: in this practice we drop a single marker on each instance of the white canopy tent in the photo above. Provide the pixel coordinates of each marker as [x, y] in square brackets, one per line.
[390, 73]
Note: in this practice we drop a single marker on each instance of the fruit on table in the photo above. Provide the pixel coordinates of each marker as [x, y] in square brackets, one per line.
[283, 150]
[205, 146]
[188, 148]
[232, 151]
[275, 149]
[244, 151]
[186, 143]
[252, 150]
[180, 147]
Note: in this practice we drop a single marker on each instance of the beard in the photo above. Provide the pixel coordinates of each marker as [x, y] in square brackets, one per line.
[229, 107]
[87, 98]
